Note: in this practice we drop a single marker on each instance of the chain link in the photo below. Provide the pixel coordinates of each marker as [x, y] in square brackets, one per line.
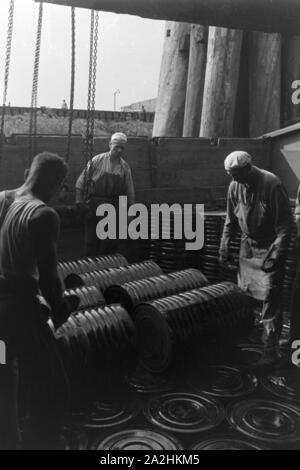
[7, 68]
[73, 65]
[90, 122]
[33, 110]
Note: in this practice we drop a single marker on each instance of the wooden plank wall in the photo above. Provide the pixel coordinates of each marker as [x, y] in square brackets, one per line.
[164, 169]
[199, 163]
[15, 158]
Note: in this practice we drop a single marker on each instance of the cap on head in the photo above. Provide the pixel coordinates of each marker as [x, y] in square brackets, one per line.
[118, 139]
[237, 159]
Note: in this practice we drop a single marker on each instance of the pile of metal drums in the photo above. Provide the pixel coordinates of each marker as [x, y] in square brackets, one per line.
[98, 342]
[209, 255]
[167, 249]
[143, 371]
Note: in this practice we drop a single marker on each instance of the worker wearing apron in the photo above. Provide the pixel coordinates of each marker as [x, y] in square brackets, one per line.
[106, 178]
[295, 316]
[259, 204]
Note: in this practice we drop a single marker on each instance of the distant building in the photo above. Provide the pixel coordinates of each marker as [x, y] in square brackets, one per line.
[147, 106]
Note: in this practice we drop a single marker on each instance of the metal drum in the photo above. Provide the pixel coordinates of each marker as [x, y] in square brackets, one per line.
[266, 421]
[224, 382]
[167, 251]
[138, 439]
[88, 296]
[227, 442]
[98, 347]
[133, 293]
[67, 269]
[185, 322]
[184, 412]
[105, 278]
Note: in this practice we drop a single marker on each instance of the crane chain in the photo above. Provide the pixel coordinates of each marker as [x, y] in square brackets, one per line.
[33, 109]
[90, 124]
[72, 88]
[6, 71]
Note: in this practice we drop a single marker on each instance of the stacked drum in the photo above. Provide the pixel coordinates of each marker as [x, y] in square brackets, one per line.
[192, 322]
[105, 278]
[98, 347]
[143, 374]
[85, 265]
[168, 241]
[132, 293]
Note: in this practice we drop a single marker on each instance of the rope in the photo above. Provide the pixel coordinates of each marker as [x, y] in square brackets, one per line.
[90, 121]
[33, 110]
[73, 64]
[6, 72]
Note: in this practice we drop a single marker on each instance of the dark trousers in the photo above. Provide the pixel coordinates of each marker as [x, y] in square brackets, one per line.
[33, 379]
[295, 309]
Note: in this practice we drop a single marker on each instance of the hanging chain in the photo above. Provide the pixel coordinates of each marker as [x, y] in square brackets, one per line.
[90, 122]
[73, 64]
[33, 110]
[7, 68]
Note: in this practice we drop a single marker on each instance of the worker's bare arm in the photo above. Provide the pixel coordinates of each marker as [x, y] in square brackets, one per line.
[45, 227]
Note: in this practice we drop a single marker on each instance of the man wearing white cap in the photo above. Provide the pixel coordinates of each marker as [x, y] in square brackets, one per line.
[258, 202]
[106, 177]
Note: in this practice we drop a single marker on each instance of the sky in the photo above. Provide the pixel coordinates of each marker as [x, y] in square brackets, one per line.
[129, 56]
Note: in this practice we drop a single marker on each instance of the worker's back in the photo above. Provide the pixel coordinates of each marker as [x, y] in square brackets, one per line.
[17, 247]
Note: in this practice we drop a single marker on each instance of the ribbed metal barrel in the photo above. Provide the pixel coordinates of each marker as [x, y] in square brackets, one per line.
[209, 255]
[168, 248]
[132, 293]
[88, 296]
[98, 346]
[85, 265]
[192, 321]
[105, 278]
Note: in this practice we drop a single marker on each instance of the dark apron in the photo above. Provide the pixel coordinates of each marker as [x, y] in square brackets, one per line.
[106, 189]
[254, 252]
